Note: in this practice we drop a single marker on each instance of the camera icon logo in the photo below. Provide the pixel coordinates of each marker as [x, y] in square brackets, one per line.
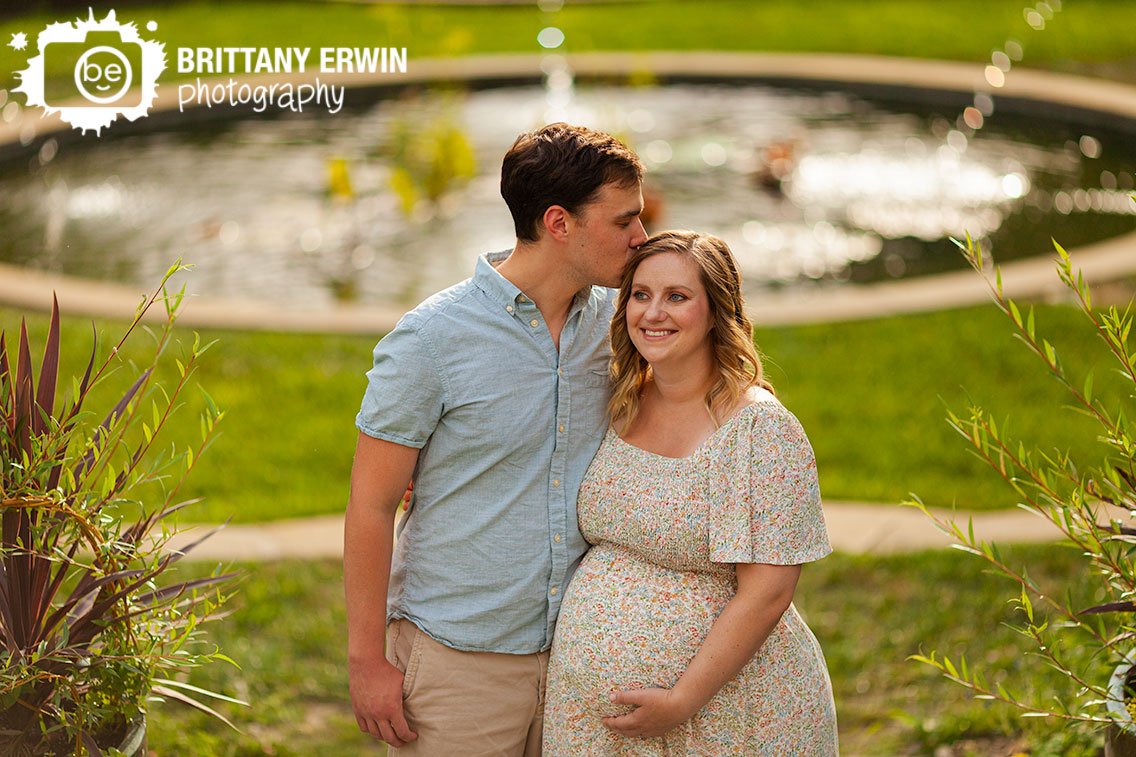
[114, 72]
[104, 67]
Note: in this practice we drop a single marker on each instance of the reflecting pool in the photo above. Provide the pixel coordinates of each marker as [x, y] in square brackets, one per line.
[393, 199]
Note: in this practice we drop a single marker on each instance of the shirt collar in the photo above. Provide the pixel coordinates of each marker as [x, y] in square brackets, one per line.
[488, 280]
[505, 292]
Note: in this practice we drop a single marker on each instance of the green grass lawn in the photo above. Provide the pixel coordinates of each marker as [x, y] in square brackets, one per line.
[1086, 34]
[872, 396]
[869, 614]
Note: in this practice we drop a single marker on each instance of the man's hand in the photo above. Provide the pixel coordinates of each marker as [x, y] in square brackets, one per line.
[376, 697]
[378, 479]
[657, 711]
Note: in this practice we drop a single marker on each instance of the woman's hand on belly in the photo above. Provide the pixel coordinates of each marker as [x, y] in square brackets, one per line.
[656, 712]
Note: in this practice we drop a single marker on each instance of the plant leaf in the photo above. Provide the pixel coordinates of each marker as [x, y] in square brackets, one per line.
[24, 387]
[86, 382]
[1110, 607]
[197, 690]
[82, 607]
[175, 694]
[48, 371]
[89, 459]
[4, 369]
[90, 745]
[169, 592]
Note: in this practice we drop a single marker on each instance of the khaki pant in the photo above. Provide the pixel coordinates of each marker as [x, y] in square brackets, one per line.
[471, 704]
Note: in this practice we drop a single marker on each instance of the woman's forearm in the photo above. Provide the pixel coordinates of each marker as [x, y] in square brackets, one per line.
[764, 593]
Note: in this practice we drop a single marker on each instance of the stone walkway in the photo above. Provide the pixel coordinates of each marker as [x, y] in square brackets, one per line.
[854, 527]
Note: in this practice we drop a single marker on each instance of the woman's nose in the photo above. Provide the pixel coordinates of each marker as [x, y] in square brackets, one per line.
[655, 311]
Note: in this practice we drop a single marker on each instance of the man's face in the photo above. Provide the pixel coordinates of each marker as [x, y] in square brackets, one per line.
[607, 230]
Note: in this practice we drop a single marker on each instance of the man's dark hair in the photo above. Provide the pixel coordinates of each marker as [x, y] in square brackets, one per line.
[563, 165]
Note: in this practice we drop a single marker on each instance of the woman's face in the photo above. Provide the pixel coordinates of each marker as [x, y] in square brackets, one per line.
[668, 311]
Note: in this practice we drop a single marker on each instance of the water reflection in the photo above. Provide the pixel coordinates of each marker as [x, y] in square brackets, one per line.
[807, 186]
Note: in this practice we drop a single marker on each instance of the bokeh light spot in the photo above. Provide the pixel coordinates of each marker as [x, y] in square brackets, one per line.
[640, 120]
[1014, 185]
[957, 140]
[658, 151]
[550, 38]
[713, 154]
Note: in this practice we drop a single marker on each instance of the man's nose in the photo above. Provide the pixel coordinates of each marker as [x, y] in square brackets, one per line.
[640, 234]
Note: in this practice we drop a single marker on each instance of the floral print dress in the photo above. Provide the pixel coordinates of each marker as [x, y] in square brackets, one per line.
[667, 533]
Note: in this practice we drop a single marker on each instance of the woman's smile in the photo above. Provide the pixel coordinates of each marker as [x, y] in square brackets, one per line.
[668, 315]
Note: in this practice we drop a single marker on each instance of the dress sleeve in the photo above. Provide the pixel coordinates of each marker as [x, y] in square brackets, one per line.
[765, 498]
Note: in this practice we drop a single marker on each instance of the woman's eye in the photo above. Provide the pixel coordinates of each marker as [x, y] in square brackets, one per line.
[639, 295]
[676, 297]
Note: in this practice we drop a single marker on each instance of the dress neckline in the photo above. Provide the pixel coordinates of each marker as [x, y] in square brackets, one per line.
[702, 445]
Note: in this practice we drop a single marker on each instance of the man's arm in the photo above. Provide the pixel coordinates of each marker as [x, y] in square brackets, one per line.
[379, 479]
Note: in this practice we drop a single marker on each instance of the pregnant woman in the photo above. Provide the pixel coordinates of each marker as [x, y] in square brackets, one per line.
[678, 635]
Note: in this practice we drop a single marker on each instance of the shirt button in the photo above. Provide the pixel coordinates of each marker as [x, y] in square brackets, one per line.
[561, 428]
[556, 538]
[552, 591]
[556, 482]
[534, 323]
[521, 298]
[509, 308]
[560, 371]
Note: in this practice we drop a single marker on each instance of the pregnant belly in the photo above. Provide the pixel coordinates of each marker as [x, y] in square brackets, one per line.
[629, 624]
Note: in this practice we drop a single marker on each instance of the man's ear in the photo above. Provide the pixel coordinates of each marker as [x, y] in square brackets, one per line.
[557, 222]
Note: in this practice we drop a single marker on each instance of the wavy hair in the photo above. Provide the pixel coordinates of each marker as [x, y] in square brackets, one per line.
[731, 335]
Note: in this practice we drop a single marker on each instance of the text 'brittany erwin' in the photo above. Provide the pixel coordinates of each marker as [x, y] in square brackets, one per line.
[287, 60]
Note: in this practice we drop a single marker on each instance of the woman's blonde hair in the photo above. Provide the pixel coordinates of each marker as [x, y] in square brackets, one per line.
[731, 334]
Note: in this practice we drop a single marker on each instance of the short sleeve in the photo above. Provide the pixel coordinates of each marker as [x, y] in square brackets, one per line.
[765, 499]
[404, 397]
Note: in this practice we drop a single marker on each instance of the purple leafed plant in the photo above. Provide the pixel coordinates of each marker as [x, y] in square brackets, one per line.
[90, 627]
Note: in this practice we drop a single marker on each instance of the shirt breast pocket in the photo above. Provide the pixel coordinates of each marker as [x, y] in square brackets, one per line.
[590, 404]
[594, 377]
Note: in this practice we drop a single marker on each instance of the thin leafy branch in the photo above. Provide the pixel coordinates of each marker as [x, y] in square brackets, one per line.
[1079, 639]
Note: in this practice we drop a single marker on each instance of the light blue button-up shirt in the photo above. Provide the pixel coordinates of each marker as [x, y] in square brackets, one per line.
[507, 426]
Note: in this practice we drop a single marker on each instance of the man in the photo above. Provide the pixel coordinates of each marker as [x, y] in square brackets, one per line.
[491, 395]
